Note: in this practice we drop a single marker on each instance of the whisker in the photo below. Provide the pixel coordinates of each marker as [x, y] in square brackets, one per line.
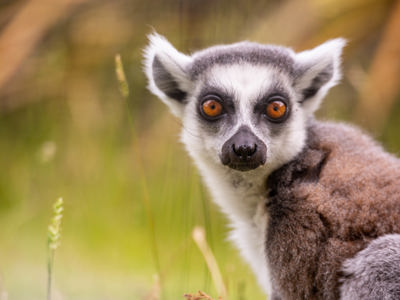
[191, 133]
[186, 129]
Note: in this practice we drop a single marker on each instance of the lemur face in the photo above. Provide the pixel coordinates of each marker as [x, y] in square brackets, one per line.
[243, 106]
[245, 115]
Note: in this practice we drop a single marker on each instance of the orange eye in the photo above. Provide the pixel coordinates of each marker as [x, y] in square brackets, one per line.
[211, 108]
[276, 109]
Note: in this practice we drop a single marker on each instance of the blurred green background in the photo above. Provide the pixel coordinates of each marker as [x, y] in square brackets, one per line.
[66, 131]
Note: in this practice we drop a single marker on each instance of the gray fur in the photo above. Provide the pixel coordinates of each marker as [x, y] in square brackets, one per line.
[166, 82]
[319, 80]
[244, 52]
[374, 273]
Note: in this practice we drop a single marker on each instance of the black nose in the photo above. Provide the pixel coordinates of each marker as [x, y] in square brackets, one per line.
[244, 150]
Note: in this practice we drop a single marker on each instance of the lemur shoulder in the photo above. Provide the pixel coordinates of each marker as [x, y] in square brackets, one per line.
[314, 206]
[325, 206]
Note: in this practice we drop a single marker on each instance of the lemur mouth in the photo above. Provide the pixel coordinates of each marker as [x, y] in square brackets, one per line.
[243, 166]
[244, 151]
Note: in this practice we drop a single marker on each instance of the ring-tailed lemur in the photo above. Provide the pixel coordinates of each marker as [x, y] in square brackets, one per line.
[314, 206]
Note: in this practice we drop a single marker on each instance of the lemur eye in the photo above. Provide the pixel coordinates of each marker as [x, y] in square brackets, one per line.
[276, 109]
[211, 108]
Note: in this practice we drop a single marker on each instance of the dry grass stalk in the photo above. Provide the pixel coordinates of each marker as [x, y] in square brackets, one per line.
[156, 290]
[200, 295]
[21, 35]
[119, 70]
[124, 88]
[199, 236]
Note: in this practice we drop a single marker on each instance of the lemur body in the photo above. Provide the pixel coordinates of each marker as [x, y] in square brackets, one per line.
[327, 205]
[302, 196]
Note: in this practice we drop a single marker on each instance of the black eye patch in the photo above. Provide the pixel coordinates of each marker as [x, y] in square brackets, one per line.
[262, 113]
[265, 98]
[223, 96]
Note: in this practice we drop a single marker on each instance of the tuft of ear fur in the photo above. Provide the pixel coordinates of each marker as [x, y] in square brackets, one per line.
[165, 68]
[318, 71]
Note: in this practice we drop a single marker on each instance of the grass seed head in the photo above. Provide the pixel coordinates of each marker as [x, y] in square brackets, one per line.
[54, 229]
[123, 83]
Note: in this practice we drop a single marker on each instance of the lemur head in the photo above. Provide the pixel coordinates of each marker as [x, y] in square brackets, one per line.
[243, 106]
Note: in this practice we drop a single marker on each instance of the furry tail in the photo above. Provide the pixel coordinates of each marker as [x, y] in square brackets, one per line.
[374, 273]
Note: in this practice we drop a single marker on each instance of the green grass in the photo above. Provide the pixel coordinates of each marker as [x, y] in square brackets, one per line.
[106, 250]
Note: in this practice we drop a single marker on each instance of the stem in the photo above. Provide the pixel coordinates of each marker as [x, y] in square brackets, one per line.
[199, 236]
[50, 263]
[124, 88]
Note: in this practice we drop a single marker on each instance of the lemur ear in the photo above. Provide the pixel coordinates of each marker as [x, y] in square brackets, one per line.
[166, 70]
[318, 70]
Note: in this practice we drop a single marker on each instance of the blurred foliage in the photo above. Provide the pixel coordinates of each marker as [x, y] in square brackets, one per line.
[65, 131]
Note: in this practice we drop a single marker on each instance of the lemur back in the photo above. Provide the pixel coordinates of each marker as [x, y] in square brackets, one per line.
[314, 207]
[325, 206]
